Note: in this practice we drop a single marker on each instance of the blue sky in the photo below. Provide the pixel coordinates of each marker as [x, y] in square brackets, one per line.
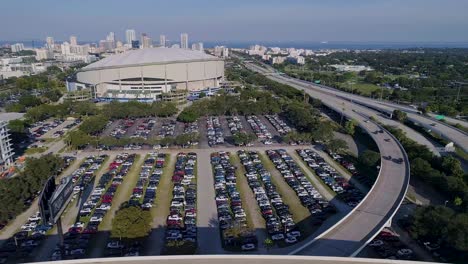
[240, 20]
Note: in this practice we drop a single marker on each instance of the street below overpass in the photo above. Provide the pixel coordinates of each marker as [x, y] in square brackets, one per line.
[354, 231]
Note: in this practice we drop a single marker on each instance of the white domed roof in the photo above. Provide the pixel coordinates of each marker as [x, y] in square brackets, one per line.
[150, 56]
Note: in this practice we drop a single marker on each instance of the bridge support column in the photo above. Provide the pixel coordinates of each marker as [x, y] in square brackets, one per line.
[389, 223]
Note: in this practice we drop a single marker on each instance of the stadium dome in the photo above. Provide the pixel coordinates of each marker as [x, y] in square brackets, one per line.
[145, 74]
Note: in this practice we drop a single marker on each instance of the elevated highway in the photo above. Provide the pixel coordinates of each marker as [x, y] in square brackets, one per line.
[364, 222]
[445, 130]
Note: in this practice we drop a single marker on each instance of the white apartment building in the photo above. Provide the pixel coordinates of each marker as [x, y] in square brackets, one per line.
[17, 47]
[44, 54]
[50, 44]
[66, 49]
[6, 150]
[198, 47]
[130, 35]
[296, 59]
[73, 41]
[221, 51]
[184, 41]
[277, 60]
[162, 40]
[146, 42]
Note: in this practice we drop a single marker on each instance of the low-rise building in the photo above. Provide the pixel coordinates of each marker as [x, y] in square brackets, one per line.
[6, 150]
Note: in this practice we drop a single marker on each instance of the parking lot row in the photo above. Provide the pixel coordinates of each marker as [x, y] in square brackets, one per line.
[94, 209]
[232, 217]
[340, 185]
[279, 222]
[181, 223]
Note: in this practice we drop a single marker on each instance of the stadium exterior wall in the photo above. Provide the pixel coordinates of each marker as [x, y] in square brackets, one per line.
[150, 80]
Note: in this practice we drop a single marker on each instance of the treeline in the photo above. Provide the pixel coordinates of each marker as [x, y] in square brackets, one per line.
[113, 110]
[445, 227]
[443, 173]
[25, 186]
[250, 102]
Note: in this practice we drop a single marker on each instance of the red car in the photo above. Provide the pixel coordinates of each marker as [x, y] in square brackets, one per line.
[90, 230]
[75, 230]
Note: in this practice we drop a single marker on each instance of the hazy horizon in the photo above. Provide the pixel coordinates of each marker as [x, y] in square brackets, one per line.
[267, 21]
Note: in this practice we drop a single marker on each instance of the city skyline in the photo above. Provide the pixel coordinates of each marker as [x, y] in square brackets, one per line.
[295, 21]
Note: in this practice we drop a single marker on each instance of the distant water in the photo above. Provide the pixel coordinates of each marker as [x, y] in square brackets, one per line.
[298, 44]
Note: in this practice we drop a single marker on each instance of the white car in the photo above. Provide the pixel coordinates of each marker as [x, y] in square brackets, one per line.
[95, 219]
[175, 218]
[191, 214]
[34, 218]
[147, 205]
[78, 224]
[248, 247]
[177, 204]
[104, 207]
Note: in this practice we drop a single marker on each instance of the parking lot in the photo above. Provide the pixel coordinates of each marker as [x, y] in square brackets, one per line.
[214, 131]
[344, 189]
[258, 192]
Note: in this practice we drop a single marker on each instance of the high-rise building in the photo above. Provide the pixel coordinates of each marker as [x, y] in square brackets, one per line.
[221, 51]
[198, 46]
[73, 41]
[6, 151]
[50, 44]
[184, 41]
[162, 40]
[65, 47]
[44, 54]
[146, 42]
[130, 35]
[110, 36]
[17, 47]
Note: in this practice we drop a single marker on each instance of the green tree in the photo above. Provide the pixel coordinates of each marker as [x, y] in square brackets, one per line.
[78, 139]
[350, 127]
[337, 145]
[131, 222]
[399, 115]
[18, 126]
[452, 166]
[369, 158]
[94, 124]
[268, 243]
[431, 222]
[457, 234]
[188, 116]
[242, 138]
